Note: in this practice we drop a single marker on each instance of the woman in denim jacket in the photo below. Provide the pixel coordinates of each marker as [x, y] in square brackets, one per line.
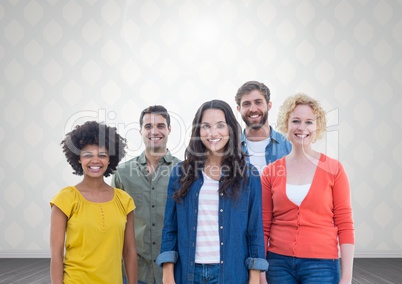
[213, 222]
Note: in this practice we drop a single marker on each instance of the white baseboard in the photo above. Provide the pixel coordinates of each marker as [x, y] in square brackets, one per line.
[358, 254]
[375, 254]
[24, 254]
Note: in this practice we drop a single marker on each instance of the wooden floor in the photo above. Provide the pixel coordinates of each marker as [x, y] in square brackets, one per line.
[377, 270]
[36, 270]
[24, 270]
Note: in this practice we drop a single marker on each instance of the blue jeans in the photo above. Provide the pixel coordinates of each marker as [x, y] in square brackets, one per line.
[206, 273]
[294, 270]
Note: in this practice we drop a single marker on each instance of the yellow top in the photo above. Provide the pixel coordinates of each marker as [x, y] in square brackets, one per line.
[94, 236]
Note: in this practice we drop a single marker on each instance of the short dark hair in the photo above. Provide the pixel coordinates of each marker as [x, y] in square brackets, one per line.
[251, 86]
[156, 109]
[93, 133]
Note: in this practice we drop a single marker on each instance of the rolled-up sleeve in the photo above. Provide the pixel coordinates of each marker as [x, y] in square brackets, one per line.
[167, 256]
[256, 264]
[257, 260]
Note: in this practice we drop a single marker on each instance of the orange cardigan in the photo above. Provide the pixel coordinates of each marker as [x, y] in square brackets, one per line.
[311, 230]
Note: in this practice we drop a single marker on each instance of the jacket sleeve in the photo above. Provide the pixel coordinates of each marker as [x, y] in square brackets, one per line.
[255, 233]
[168, 251]
[342, 207]
[267, 207]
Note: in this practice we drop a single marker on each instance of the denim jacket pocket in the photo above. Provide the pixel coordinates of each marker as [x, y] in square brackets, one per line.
[240, 202]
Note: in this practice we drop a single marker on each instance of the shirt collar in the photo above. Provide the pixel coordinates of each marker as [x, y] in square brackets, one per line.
[167, 158]
[273, 135]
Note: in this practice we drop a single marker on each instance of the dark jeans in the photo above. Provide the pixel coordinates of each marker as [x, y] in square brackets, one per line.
[293, 270]
[206, 273]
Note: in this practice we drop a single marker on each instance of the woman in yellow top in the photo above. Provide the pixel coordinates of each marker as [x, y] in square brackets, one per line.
[92, 223]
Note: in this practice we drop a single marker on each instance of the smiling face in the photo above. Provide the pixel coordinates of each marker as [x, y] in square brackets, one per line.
[254, 109]
[94, 160]
[214, 131]
[302, 126]
[155, 132]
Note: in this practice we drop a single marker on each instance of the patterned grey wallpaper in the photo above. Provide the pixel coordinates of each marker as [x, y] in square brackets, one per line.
[67, 61]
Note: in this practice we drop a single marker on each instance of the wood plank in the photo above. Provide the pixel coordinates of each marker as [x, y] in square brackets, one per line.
[7, 264]
[363, 276]
[39, 276]
[378, 270]
[24, 270]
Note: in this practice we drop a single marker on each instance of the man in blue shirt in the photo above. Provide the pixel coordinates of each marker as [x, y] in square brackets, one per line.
[260, 141]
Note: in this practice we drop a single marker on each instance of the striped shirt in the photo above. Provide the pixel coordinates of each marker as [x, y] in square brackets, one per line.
[207, 244]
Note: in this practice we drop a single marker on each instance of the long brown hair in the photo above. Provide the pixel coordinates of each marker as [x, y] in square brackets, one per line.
[233, 163]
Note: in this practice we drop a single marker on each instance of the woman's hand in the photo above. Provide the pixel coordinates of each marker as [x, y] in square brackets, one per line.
[168, 273]
[254, 277]
[345, 281]
[263, 278]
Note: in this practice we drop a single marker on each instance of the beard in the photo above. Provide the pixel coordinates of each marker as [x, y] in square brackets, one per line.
[256, 126]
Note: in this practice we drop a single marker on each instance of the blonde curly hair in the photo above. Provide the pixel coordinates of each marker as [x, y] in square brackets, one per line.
[301, 99]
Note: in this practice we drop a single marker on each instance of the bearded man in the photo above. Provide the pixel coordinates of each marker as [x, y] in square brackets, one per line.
[260, 141]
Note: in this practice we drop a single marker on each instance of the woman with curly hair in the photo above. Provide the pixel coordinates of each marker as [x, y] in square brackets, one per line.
[92, 224]
[213, 224]
[307, 211]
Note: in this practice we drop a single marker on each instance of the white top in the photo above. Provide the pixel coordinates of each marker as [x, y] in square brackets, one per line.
[256, 150]
[297, 193]
[207, 249]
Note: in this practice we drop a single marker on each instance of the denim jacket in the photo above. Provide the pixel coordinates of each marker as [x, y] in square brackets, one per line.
[240, 231]
[278, 146]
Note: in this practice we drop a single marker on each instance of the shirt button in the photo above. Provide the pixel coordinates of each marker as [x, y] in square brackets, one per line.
[221, 210]
[221, 261]
[153, 188]
[221, 244]
[153, 206]
[153, 243]
[221, 227]
[153, 224]
[221, 194]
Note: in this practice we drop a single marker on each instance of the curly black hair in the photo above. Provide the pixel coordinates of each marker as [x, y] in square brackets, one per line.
[93, 133]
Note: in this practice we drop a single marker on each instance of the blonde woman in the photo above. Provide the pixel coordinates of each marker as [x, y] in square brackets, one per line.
[306, 204]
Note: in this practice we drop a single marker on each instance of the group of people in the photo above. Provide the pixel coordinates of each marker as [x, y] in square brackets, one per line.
[256, 206]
